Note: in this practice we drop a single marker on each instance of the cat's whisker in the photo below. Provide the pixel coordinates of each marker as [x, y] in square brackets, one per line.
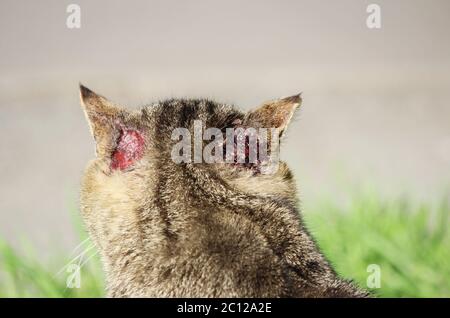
[87, 259]
[78, 246]
[75, 259]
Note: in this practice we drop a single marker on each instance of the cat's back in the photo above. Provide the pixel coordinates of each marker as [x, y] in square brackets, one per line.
[221, 254]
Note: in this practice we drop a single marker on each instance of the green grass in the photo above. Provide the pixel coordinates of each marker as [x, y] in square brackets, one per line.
[410, 242]
[25, 276]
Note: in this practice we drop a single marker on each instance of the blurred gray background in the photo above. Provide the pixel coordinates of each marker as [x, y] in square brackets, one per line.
[376, 101]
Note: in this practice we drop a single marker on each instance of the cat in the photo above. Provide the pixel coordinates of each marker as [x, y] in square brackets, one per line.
[166, 229]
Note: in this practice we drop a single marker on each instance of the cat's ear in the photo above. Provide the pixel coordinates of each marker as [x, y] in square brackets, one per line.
[102, 116]
[115, 137]
[274, 114]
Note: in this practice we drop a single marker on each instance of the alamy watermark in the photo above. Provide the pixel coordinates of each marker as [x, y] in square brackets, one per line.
[374, 278]
[73, 20]
[373, 20]
[74, 277]
[252, 147]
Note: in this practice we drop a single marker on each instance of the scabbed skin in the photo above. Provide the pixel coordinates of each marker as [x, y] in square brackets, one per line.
[196, 230]
[130, 148]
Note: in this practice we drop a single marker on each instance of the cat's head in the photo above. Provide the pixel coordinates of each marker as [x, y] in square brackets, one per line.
[137, 164]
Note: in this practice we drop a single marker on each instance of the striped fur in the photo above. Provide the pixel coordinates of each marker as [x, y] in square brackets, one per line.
[197, 230]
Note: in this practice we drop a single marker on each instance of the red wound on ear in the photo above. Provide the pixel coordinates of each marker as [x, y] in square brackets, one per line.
[130, 148]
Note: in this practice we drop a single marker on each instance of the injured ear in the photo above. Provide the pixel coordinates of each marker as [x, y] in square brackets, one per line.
[114, 140]
[274, 114]
[129, 149]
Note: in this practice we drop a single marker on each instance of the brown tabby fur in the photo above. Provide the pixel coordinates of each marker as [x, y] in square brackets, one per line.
[198, 230]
